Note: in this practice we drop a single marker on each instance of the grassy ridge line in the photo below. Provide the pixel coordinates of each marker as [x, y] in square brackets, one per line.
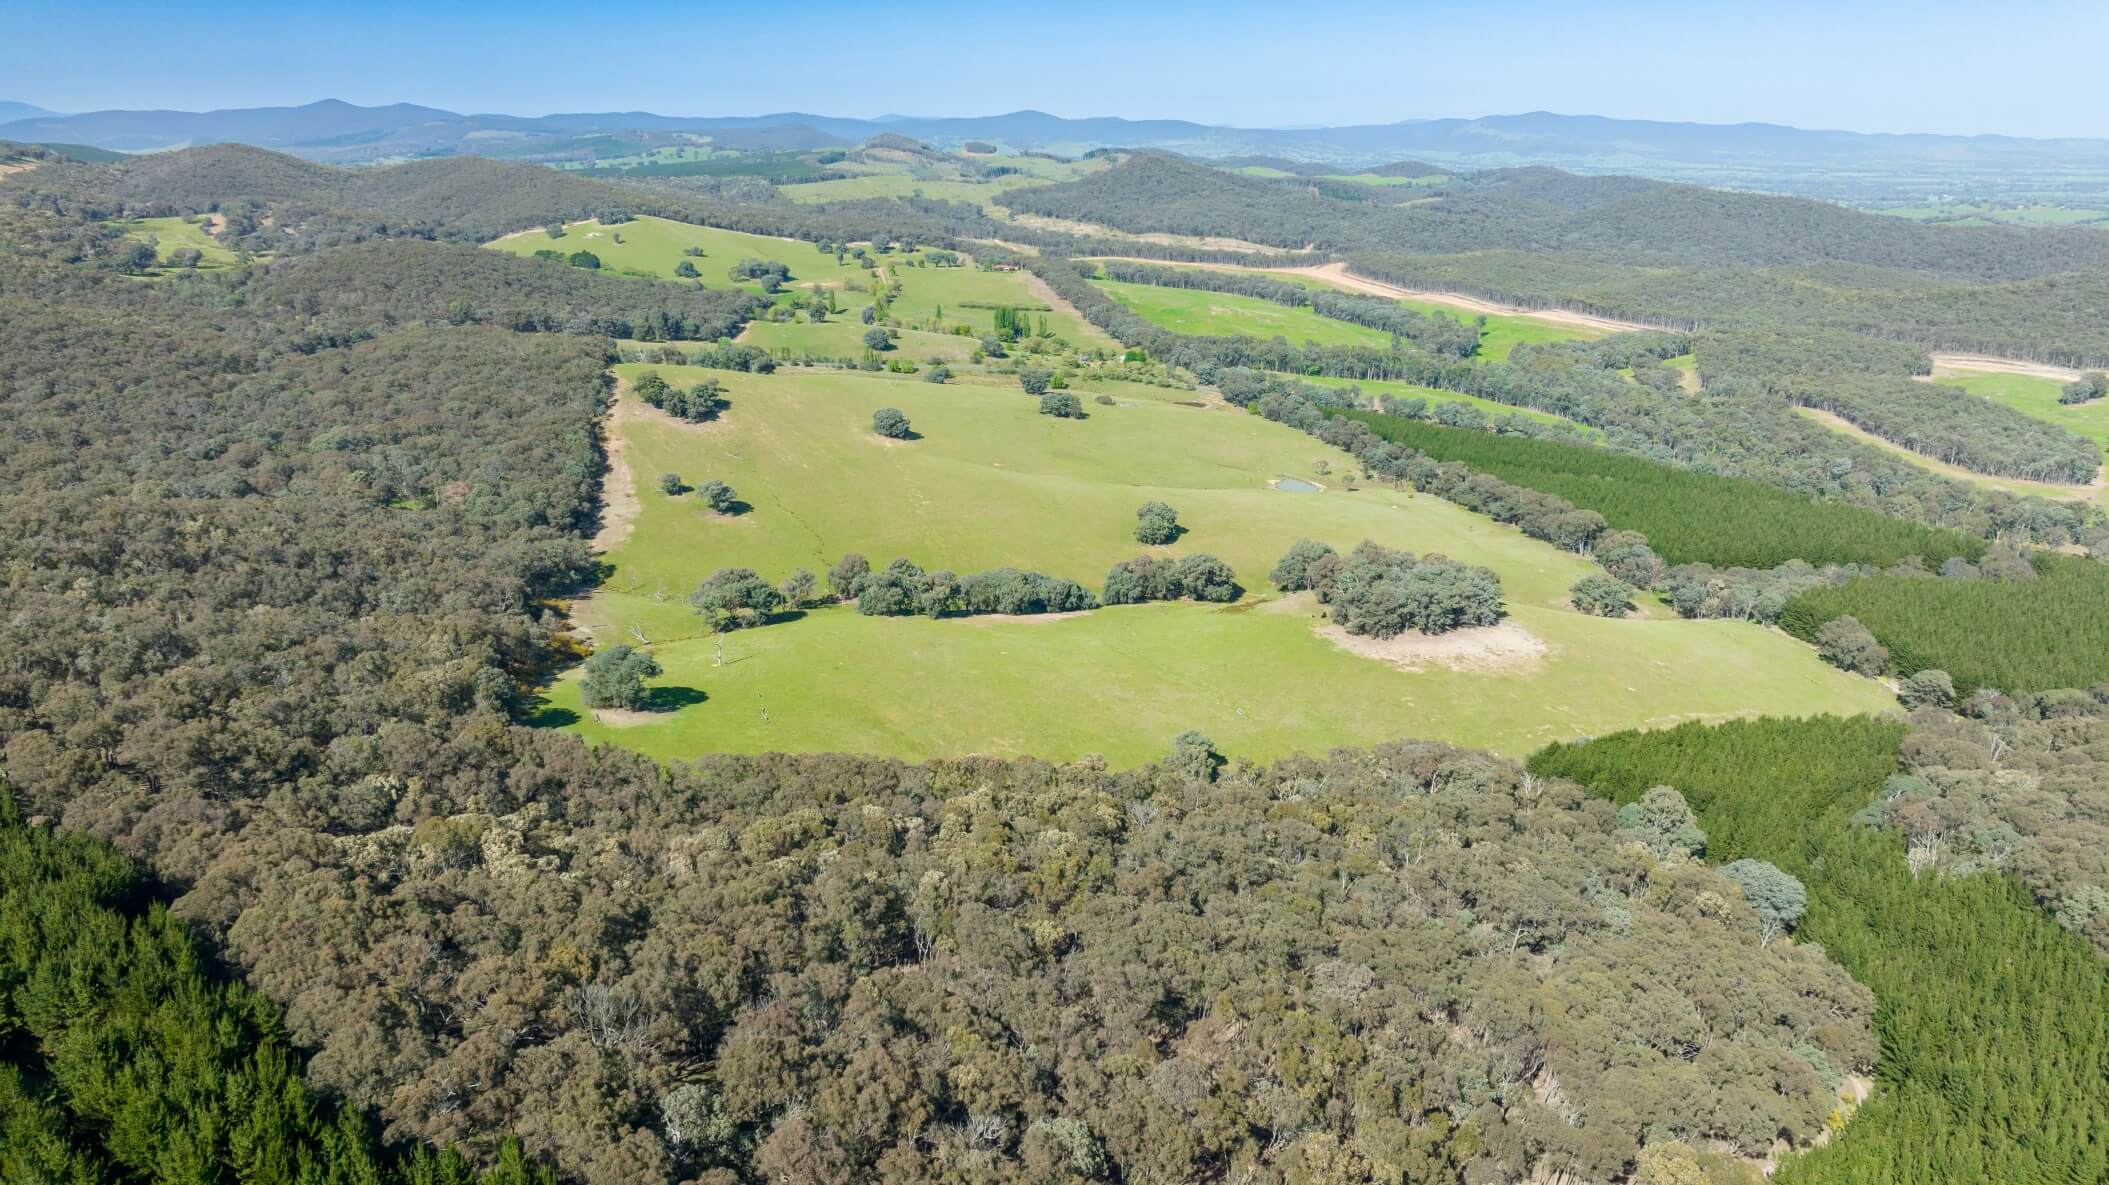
[1688, 516]
[2019, 635]
[1993, 1022]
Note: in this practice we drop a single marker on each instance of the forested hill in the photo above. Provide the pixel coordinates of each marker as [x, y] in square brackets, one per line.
[1620, 219]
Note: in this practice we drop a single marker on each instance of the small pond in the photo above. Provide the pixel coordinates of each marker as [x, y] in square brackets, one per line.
[1295, 485]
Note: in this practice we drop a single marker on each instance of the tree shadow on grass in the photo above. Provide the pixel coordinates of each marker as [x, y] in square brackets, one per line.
[541, 713]
[672, 699]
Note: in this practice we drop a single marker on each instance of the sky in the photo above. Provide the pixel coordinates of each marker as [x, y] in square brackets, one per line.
[2023, 67]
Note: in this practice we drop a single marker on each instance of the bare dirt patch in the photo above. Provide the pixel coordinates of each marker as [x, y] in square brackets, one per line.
[1007, 618]
[1503, 647]
[1092, 229]
[1948, 364]
[618, 497]
[1338, 274]
[16, 166]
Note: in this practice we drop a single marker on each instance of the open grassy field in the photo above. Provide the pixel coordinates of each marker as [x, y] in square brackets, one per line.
[654, 247]
[2038, 397]
[1501, 333]
[991, 482]
[1375, 387]
[172, 233]
[968, 295]
[1191, 310]
[932, 180]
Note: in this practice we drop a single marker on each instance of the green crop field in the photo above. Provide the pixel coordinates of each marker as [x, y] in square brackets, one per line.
[170, 234]
[1191, 310]
[991, 482]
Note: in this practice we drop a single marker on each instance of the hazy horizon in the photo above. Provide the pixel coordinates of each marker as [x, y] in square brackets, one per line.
[1881, 68]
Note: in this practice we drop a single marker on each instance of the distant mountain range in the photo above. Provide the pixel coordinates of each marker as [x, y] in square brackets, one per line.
[1753, 155]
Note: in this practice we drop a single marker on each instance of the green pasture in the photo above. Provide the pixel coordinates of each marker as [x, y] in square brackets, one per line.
[1375, 387]
[654, 247]
[991, 482]
[1194, 311]
[170, 234]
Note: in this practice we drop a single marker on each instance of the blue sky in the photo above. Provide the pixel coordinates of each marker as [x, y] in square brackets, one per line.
[2021, 68]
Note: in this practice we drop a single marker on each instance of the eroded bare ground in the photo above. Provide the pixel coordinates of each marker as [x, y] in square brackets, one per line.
[1092, 229]
[619, 505]
[1948, 364]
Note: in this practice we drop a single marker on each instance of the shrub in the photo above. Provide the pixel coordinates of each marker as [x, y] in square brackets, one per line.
[1295, 571]
[1602, 596]
[1034, 380]
[1846, 644]
[1156, 523]
[1383, 593]
[670, 483]
[877, 339]
[614, 678]
[890, 423]
[718, 496]
[1061, 404]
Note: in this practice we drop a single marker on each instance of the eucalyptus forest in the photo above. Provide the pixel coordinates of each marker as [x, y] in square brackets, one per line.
[758, 656]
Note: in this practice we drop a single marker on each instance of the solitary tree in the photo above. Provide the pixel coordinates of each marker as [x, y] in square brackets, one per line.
[877, 339]
[1778, 898]
[1061, 404]
[890, 423]
[1156, 523]
[735, 597]
[686, 270]
[614, 678]
[1035, 380]
[670, 483]
[718, 496]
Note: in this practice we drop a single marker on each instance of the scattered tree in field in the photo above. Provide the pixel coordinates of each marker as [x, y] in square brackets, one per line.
[868, 314]
[693, 252]
[1156, 523]
[1779, 899]
[1382, 593]
[1846, 644]
[2085, 389]
[1194, 755]
[1061, 404]
[846, 578]
[1930, 688]
[798, 588]
[1602, 596]
[734, 598]
[718, 496]
[938, 373]
[761, 269]
[890, 423]
[686, 270]
[1297, 570]
[816, 313]
[992, 348]
[670, 483]
[1206, 578]
[1153, 578]
[1035, 380]
[877, 339]
[585, 259]
[1663, 821]
[554, 230]
[614, 678]
[698, 404]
